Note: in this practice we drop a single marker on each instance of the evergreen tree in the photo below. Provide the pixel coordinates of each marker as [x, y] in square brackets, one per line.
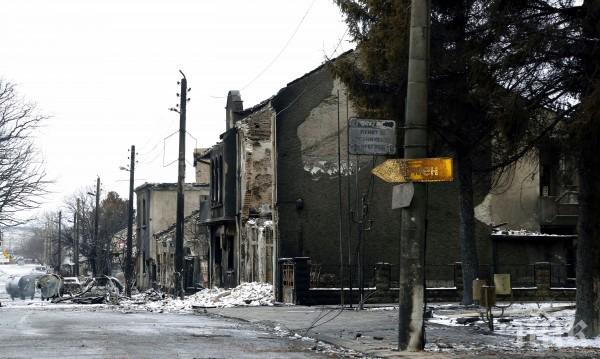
[471, 115]
[554, 45]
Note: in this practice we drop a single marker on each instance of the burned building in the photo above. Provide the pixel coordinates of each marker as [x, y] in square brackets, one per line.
[195, 248]
[156, 205]
[283, 185]
[219, 212]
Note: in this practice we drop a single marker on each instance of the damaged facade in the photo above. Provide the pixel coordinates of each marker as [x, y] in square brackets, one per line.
[156, 204]
[279, 190]
[239, 214]
[119, 249]
[195, 248]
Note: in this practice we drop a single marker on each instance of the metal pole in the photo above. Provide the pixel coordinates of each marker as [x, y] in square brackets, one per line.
[128, 259]
[412, 239]
[180, 180]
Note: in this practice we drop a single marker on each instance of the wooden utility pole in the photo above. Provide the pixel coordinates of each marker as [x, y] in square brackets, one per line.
[59, 248]
[45, 244]
[411, 335]
[179, 289]
[96, 220]
[128, 257]
[76, 240]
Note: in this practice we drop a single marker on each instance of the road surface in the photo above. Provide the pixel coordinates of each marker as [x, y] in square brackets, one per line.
[46, 332]
[32, 329]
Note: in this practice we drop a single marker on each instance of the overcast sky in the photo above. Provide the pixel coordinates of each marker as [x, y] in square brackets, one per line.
[106, 72]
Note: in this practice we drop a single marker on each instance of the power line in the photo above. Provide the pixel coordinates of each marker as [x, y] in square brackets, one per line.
[317, 84]
[282, 49]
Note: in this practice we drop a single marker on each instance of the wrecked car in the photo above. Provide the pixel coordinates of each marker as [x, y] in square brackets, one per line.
[71, 285]
[51, 286]
[27, 285]
[22, 287]
[99, 290]
[12, 287]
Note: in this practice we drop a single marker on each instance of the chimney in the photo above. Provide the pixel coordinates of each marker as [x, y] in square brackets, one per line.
[202, 166]
[234, 104]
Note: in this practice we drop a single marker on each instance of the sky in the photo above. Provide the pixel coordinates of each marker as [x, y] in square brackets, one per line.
[106, 73]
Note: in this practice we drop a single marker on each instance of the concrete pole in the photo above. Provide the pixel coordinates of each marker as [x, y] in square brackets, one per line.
[96, 220]
[76, 240]
[179, 290]
[128, 258]
[412, 240]
[59, 248]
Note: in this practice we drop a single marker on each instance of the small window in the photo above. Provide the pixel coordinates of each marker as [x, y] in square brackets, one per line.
[220, 199]
[144, 214]
[216, 181]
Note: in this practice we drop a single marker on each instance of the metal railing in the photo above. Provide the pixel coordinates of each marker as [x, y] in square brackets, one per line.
[442, 275]
[562, 275]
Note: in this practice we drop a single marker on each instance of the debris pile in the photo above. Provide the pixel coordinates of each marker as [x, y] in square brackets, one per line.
[246, 294]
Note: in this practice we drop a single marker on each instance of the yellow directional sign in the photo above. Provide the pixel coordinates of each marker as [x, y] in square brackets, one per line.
[400, 170]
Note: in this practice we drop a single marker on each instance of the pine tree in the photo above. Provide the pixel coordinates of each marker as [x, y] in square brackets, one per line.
[556, 46]
[471, 114]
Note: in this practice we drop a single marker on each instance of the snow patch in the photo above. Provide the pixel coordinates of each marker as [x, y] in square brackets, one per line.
[246, 294]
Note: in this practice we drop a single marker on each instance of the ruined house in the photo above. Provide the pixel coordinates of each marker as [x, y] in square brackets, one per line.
[195, 248]
[156, 211]
[279, 189]
[119, 249]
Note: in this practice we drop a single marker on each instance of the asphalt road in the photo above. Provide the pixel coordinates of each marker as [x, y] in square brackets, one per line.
[82, 333]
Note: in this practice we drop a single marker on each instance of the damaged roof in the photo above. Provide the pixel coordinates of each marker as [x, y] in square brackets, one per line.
[195, 215]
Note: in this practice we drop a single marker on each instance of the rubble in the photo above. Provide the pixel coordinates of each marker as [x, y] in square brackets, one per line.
[246, 294]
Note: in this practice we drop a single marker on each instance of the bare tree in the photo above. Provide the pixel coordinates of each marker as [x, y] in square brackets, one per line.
[34, 242]
[22, 174]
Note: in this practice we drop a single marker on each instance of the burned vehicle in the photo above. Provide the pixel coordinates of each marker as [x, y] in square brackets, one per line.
[71, 285]
[51, 286]
[12, 287]
[100, 290]
[27, 285]
[22, 287]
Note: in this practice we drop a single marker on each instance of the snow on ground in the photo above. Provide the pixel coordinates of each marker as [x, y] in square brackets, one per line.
[246, 294]
[531, 325]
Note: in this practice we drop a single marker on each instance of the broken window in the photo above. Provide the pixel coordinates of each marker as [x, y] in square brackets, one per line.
[216, 181]
[144, 217]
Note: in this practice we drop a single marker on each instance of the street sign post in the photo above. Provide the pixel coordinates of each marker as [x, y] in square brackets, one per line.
[401, 170]
[371, 137]
[402, 195]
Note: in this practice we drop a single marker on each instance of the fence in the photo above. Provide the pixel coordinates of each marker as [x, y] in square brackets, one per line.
[315, 283]
[441, 275]
[562, 275]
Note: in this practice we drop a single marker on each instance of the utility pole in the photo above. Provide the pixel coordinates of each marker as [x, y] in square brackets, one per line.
[57, 268]
[45, 244]
[49, 244]
[96, 220]
[76, 240]
[411, 334]
[128, 259]
[179, 290]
